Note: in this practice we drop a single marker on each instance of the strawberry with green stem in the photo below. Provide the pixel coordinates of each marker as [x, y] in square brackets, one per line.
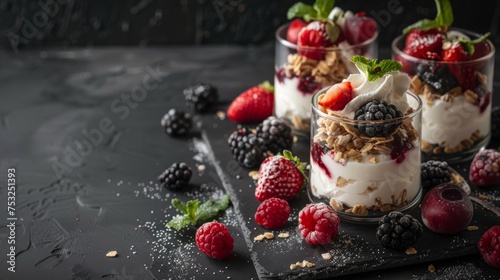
[253, 105]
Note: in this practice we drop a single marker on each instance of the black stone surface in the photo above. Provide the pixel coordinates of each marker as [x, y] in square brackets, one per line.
[104, 195]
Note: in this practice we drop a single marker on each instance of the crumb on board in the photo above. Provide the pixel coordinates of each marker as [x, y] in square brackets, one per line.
[411, 251]
[254, 174]
[302, 264]
[431, 268]
[112, 254]
[266, 235]
[326, 256]
[472, 228]
[283, 235]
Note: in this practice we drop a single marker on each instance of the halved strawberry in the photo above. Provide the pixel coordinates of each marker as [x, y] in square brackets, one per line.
[463, 72]
[315, 37]
[292, 33]
[417, 33]
[253, 105]
[427, 46]
[337, 96]
[359, 28]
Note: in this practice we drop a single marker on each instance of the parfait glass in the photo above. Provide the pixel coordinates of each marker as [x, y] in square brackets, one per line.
[457, 99]
[298, 76]
[363, 177]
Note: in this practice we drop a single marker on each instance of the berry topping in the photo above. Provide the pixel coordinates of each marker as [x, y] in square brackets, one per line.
[176, 176]
[318, 223]
[489, 246]
[399, 148]
[280, 176]
[316, 36]
[438, 77]
[377, 110]
[398, 231]
[276, 134]
[316, 152]
[246, 147]
[485, 168]
[359, 29]
[272, 213]
[337, 96]
[417, 33]
[495, 122]
[176, 123]
[447, 209]
[200, 96]
[214, 240]
[427, 46]
[433, 173]
[293, 30]
[253, 105]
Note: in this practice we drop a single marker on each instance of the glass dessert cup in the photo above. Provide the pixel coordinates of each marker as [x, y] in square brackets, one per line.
[456, 119]
[362, 177]
[297, 77]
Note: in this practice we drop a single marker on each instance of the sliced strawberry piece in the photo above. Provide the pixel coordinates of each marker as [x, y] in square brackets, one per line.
[253, 105]
[463, 72]
[315, 37]
[421, 46]
[337, 96]
[292, 33]
[358, 29]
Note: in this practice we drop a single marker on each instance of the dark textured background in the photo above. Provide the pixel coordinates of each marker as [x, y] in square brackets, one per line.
[25, 23]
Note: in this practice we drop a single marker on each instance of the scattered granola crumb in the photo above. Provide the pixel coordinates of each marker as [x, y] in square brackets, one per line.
[221, 115]
[254, 174]
[302, 264]
[472, 228]
[201, 167]
[347, 242]
[483, 196]
[283, 235]
[326, 256]
[411, 251]
[238, 176]
[112, 254]
[266, 235]
[431, 268]
[295, 139]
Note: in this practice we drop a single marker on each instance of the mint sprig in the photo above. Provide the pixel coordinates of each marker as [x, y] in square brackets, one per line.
[374, 69]
[318, 11]
[444, 18]
[468, 45]
[194, 211]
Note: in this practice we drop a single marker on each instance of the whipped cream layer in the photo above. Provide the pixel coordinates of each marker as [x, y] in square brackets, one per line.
[450, 123]
[391, 88]
[290, 100]
[366, 182]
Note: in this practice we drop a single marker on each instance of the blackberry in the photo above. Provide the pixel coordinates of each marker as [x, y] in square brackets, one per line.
[433, 173]
[376, 110]
[495, 122]
[398, 231]
[276, 134]
[439, 77]
[176, 122]
[200, 96]
[246, 147]
[176, 176]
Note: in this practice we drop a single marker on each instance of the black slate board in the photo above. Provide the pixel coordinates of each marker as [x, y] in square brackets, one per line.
[354, 250]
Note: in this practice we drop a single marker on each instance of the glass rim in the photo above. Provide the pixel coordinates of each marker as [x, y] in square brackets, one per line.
[289, 44]
[397, 51]
[317, 111]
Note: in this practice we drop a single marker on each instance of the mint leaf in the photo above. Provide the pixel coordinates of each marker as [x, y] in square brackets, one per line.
[194, 212]
[323, 8]
[373, 69]
[211, 208]
[468, 45]
[300, 10]
[444, 18]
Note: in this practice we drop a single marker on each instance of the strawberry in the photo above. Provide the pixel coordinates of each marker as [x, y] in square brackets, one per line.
[315, 37]
[417, 33]
[293, 30]
[485, 168]
[280, 176]
[359, 28]
[253, 105]
[337, 96]
[464, 72]
[427, 46]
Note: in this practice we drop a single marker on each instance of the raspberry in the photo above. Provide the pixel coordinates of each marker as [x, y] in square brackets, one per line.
[272, 213]
[433, 173]
[176, 122]
[200, 96]
[318, 223]
[485, 168]
[489, 246]
[214, 239]
[398, 231]
[376, 110]
[276, 134]
[176, 176]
